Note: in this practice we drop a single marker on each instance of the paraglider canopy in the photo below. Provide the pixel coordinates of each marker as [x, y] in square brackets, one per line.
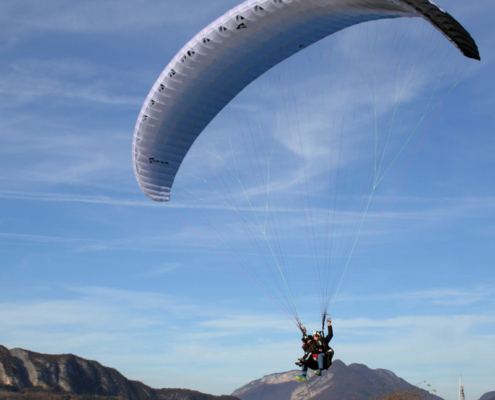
[221, 60]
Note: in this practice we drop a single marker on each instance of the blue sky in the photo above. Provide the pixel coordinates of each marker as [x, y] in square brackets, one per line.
[91, 266]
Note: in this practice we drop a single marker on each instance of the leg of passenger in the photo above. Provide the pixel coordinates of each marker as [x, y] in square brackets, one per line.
[321, 360]
[304, 357]
[303, 376]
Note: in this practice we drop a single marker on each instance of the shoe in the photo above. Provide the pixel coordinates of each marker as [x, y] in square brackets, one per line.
[302, 360]
[299, 363]
[318, 372]
[301, 378]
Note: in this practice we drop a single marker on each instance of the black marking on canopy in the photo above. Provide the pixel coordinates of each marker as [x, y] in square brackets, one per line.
[446, 24]
[242, 26]
[154, 160]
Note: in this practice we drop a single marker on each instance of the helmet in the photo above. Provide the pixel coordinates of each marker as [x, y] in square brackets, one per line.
[317, 333]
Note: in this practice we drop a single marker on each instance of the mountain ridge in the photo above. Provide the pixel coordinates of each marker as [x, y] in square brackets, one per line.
[340, 382]
[23, 371]
[68, 373]
[488, 396]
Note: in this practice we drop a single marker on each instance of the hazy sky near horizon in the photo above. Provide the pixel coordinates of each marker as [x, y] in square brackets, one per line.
[91, 266]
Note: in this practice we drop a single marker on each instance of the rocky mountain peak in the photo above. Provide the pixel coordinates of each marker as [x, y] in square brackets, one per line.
[355, 381]
[488, 396]
[68, 373]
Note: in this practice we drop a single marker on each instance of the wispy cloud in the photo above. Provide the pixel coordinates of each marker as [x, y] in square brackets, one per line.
[234, 325]
[67, 198]
[160, 271]
[141, 243]
[42, 153]
[92, 308]
[63, 81]
[459, 322]
[420, 213]
[449, 297]
[41, 239]
[27, 17]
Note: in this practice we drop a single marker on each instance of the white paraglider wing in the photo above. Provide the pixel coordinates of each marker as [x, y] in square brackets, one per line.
[233, 51]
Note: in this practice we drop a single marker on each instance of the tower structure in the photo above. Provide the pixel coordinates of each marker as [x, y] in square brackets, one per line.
[461, 389]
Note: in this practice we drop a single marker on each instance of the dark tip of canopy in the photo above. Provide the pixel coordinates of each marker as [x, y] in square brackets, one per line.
[446, 24]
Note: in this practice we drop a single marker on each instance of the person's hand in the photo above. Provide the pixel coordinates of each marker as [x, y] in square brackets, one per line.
[304, 329]
[329, 321]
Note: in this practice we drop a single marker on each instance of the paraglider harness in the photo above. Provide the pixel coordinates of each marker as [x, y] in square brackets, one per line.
[312, 362]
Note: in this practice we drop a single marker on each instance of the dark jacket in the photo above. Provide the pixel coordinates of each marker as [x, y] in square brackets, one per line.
[306, 343]
[321, 346]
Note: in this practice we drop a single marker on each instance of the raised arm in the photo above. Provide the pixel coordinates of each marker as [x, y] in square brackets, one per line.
[304, 337]
[330, 330]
